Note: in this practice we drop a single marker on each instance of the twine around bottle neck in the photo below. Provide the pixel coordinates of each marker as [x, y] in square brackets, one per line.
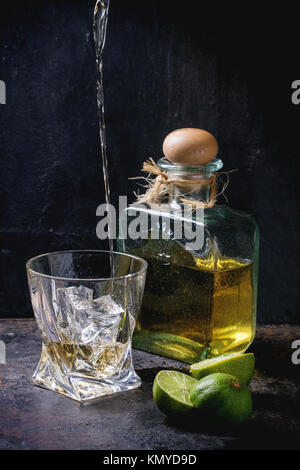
[159, 187]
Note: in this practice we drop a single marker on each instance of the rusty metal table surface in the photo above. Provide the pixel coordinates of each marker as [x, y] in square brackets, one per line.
[35, 418]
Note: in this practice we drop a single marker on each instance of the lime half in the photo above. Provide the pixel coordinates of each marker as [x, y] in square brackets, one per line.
[171, 391]
[239, 365]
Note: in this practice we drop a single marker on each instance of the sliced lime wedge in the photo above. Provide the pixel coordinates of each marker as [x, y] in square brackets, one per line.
[239, 365]
[171, 391]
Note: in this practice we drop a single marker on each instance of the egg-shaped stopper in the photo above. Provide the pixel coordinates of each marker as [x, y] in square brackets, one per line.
[190, 146]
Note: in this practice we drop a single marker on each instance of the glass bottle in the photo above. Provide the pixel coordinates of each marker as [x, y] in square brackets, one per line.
[200, 298]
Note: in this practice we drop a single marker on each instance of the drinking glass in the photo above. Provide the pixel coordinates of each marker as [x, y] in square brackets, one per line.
[85, 304]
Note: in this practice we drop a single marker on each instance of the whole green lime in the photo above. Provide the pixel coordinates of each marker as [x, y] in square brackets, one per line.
[223, 397]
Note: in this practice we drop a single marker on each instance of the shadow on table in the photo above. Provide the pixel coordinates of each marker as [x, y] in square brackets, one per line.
[271, 429]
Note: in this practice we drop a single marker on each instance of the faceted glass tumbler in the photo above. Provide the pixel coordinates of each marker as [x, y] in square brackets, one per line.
[85, 304]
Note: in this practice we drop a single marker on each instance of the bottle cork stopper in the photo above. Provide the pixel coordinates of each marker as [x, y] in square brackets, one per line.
[190, 146]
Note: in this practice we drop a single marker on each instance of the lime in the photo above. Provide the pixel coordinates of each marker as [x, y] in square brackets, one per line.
[239, 365]
[223, 397]
[171, 391]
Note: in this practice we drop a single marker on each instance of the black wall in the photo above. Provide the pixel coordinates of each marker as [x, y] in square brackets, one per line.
[225, 70]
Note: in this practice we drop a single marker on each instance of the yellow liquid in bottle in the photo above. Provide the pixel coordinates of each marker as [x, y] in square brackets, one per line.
[194, 312]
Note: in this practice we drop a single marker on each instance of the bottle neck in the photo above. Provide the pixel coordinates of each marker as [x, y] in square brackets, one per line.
[196, 187]
[196, 183]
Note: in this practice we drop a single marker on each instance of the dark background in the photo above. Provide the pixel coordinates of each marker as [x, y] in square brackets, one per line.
[168, 64]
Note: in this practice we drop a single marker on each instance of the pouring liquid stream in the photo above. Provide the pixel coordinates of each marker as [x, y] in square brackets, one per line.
[100, 27]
